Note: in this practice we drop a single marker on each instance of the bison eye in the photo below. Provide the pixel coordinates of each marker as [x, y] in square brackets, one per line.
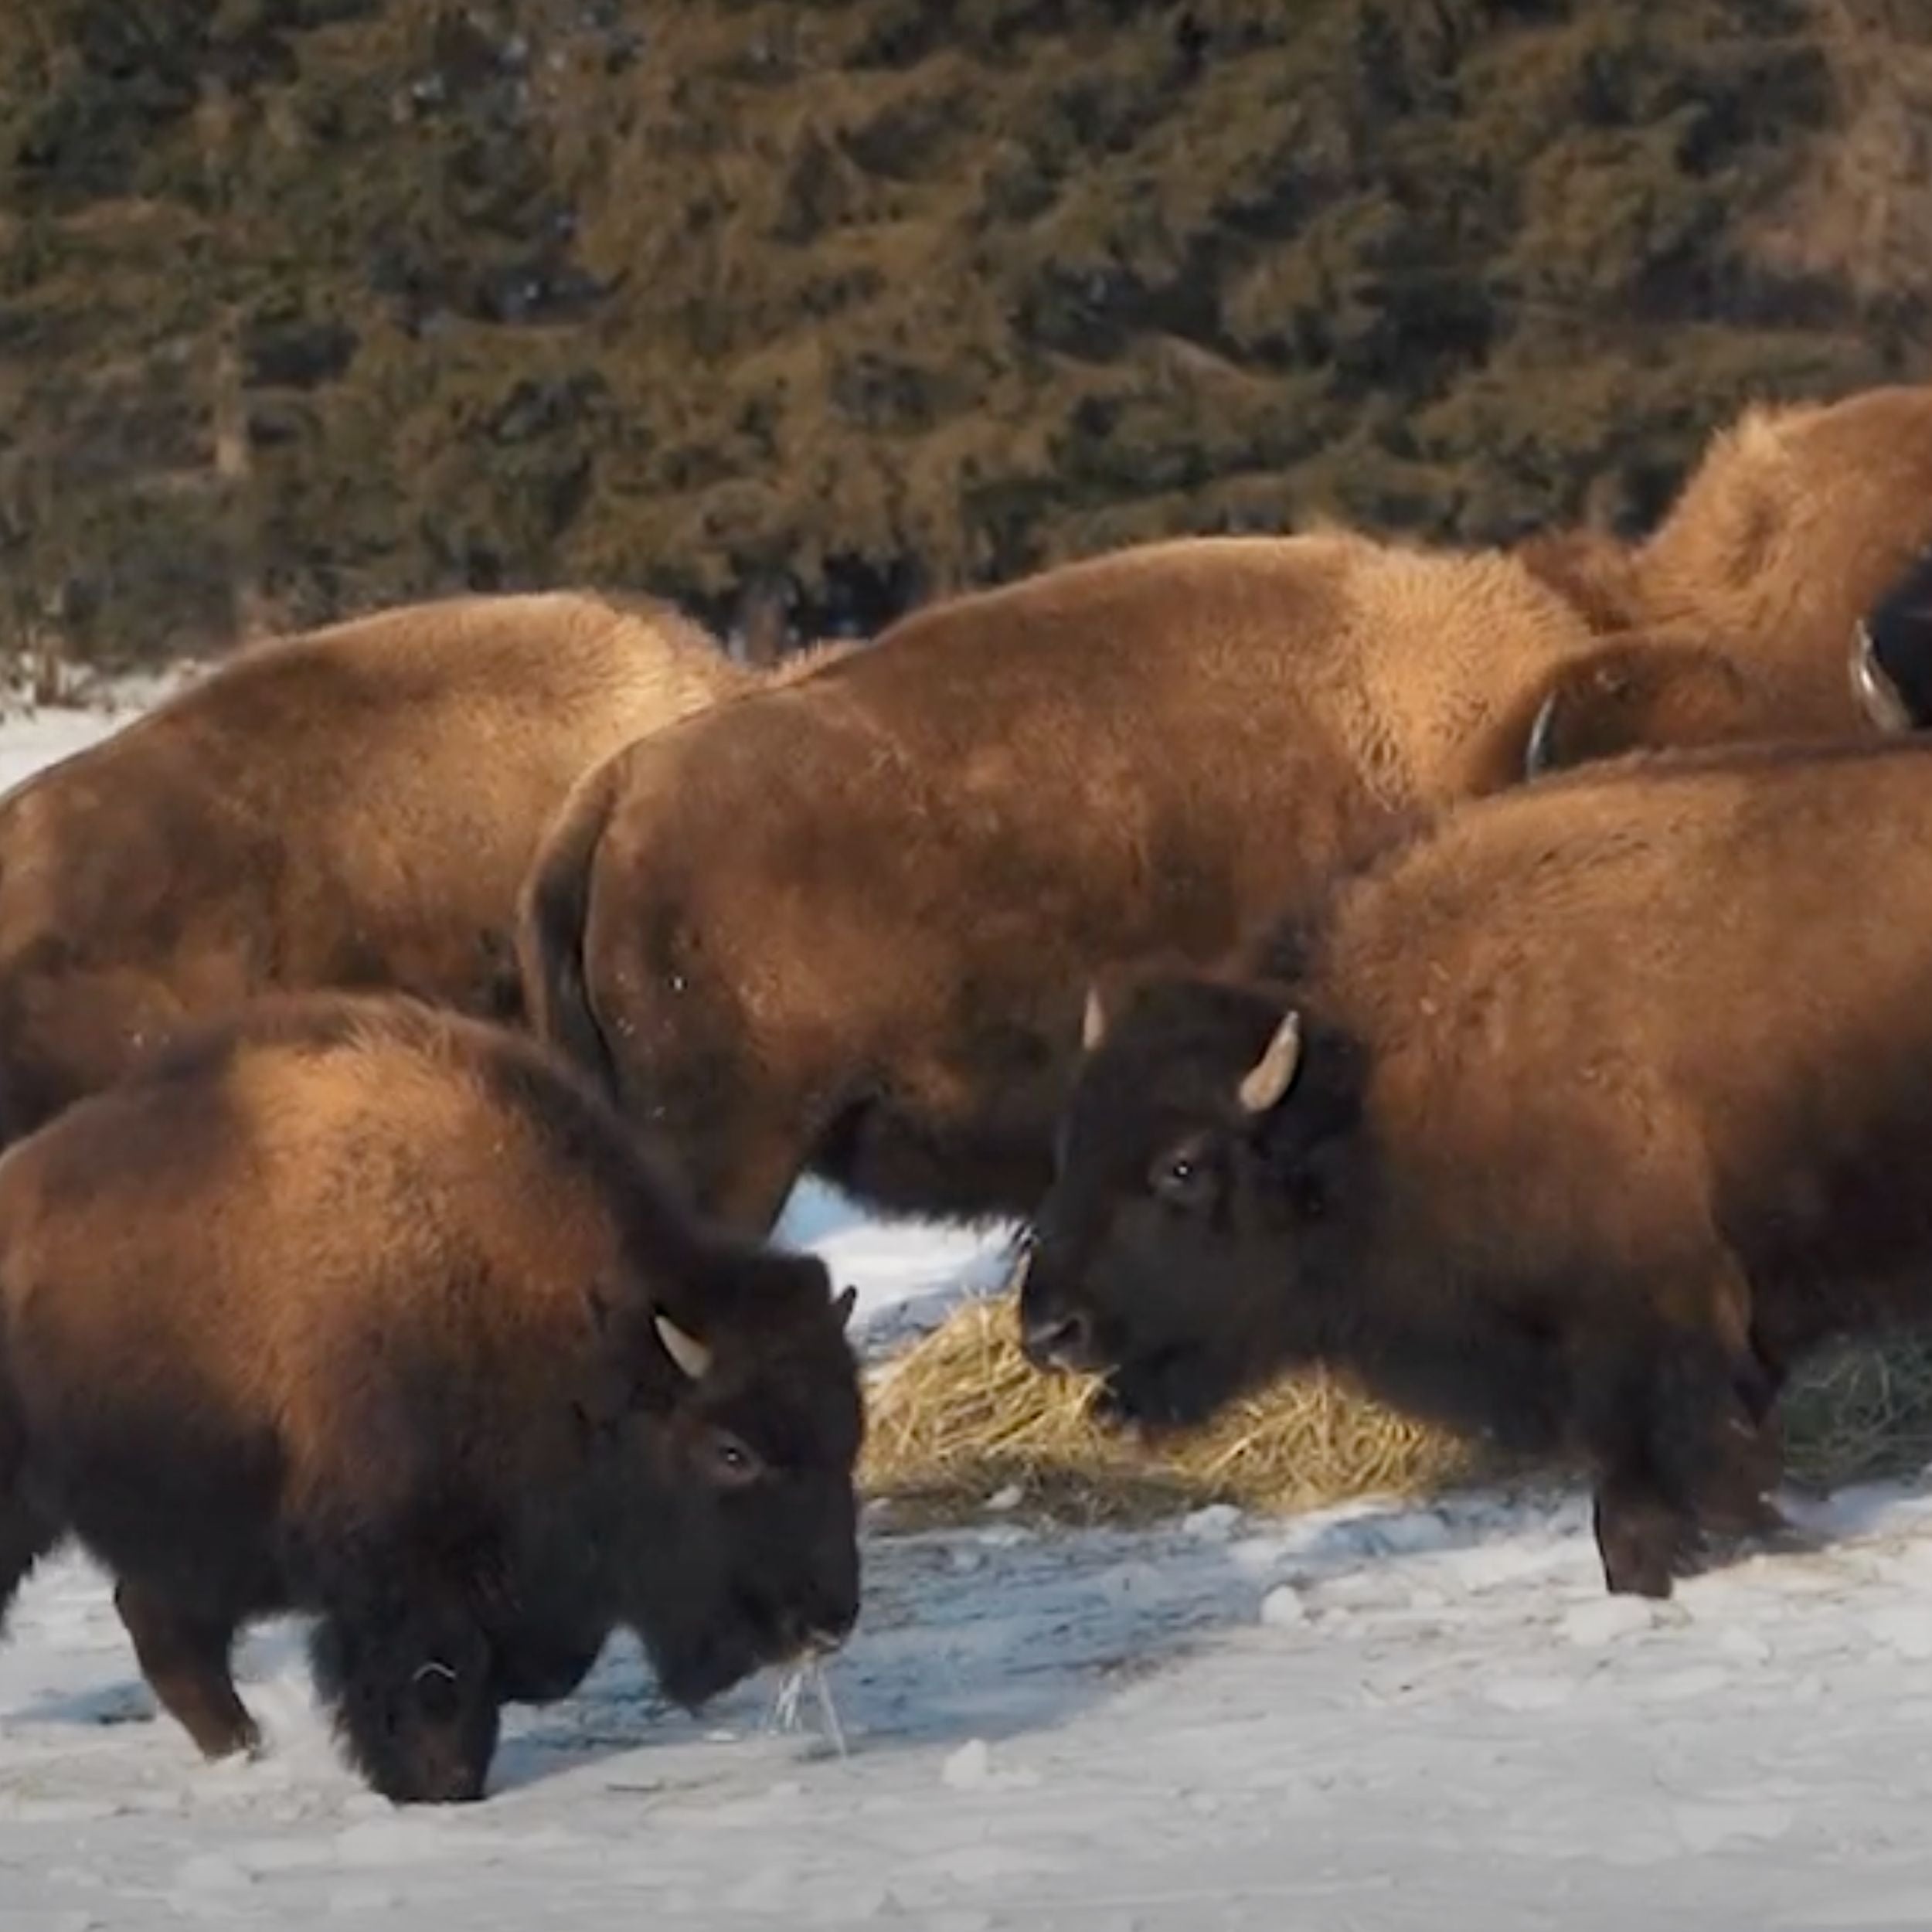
[1182, 1176]
[731, 1463]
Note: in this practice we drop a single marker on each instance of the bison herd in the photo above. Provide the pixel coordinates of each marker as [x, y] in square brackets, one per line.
[1491, 971]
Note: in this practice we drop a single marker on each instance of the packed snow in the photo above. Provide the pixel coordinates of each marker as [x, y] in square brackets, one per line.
[1371, 1717]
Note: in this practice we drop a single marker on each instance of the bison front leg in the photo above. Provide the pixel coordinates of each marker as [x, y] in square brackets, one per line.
[184, 1659]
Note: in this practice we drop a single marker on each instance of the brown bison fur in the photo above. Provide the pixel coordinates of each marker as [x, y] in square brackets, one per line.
[1790, 528]
[354, 806]
[837, 926]
[1577, 1120]
[356, 1307]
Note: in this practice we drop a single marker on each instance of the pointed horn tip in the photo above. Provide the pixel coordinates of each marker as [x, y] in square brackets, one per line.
[1536, 753]
[1093, 1021]
[692, 1356]
[1274, 1073]
[1872, 689]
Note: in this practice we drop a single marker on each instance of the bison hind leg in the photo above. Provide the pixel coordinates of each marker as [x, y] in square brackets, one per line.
[1643, 1539]
[1684, 1452]
[184, 1657]
[407, 1673]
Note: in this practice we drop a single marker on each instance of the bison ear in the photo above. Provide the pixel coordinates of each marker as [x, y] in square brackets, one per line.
[1270, 1076]
[692, 1356]
[841, 1308]
[1093, 1021]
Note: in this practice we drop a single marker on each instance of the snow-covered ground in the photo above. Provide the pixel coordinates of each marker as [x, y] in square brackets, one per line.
[1371, 1718]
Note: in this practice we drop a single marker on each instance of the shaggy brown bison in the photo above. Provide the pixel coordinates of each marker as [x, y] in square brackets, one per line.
[354, 1306]
[1729, 618]
[1577, 1119]
[843, 926]
[354, 806]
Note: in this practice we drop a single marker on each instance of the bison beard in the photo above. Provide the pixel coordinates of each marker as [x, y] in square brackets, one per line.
[408, 1676]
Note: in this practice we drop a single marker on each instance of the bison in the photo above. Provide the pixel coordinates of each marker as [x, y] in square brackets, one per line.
[842, 927]
[1576, 1119]
[352, 808]
[350, 1306]
[1727, 621]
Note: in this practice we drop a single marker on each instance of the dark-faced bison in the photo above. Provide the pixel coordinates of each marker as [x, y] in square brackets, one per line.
[355, 806]
[358, 1308]
[1577, 1119]
[842, 927]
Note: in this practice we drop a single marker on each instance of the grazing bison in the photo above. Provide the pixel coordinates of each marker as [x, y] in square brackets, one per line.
[351, 1306]
[1729, 619]
[837, 926]
[354, 807]
[1577, 1119]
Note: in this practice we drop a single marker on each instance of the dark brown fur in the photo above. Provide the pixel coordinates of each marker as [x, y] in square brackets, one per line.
[847, 925]
[348, 1307]
[353, 807]
[844, 926]
[1611, 1103]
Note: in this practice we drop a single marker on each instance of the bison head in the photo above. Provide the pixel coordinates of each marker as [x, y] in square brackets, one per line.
[1196, 1160]
[744, 1549]
[1638, 694]
[1649, 692]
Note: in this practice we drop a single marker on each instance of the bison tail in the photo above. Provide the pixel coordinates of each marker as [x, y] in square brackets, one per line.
[553, 913]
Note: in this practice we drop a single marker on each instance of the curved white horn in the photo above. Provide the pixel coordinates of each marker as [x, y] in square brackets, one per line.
[1877, 695]
[1092, 1021]
[1271, 1076]
[1535, 757]
[691, 1355]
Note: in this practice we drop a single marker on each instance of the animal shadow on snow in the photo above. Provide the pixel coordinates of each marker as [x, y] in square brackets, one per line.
[989, 1632]
[616, 1711]
[996, 1632]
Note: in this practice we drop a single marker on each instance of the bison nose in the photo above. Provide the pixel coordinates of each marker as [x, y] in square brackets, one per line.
[821, 1632]
[1058, 1341]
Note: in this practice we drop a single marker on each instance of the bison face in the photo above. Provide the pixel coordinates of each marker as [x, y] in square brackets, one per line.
[1191, 1180]
[760, 1445]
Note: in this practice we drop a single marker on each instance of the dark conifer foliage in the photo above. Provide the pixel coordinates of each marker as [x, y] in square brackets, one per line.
[823, 305]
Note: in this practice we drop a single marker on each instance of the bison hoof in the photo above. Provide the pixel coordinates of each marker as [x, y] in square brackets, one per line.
[218, 1742]
[1784, 1538]
[1644, 1549]
[1648, 1578]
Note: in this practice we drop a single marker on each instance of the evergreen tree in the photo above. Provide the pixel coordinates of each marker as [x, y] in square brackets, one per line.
[307, 305]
